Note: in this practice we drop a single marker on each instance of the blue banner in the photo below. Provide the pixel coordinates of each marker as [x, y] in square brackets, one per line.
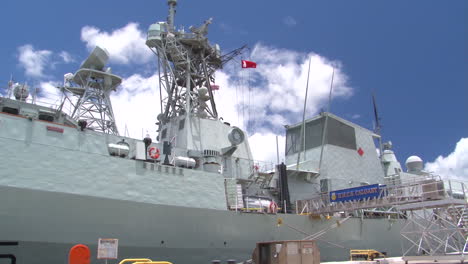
[355, 194]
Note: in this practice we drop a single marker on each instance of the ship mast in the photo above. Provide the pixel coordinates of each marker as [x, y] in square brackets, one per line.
[88, 92]
[187, 62]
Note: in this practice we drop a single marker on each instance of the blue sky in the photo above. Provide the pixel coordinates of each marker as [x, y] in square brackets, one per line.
[412, 54]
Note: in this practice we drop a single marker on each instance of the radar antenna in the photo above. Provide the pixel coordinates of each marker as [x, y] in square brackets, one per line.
[88, 91]
[187, 63]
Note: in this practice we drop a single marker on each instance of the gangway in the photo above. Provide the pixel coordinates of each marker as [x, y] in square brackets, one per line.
[434, 212]
[418, 194]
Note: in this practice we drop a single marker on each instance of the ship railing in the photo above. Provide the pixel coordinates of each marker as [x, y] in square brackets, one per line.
[49, 100]
[249, 168]
[262, 167]
[397, 179]
[430, 192]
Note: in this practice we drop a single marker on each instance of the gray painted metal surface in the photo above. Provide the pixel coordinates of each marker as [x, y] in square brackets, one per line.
[46, 224]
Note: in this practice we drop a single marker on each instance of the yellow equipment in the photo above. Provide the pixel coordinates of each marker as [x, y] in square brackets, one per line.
[366, 254]
[143, 261]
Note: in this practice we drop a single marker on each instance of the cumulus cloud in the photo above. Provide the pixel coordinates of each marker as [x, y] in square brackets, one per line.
[126, 45]
[66, 57]
[33, 61]
[263, 145]
[264, 99]
[454, 165]
[272, 95]
[47, 93]
[136, 105]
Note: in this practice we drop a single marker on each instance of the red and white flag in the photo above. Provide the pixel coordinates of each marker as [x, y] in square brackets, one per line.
[214, 87]
[248, 64]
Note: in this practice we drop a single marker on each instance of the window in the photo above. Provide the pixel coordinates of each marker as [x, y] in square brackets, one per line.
[10, 110]
[292, 140]
[181, 124]
[46, 117]
[325, 185]
[338, 134]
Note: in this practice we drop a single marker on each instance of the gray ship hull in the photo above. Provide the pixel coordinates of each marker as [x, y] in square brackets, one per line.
[47, 224]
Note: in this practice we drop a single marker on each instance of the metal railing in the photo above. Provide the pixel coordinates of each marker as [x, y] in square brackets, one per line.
[410, 192]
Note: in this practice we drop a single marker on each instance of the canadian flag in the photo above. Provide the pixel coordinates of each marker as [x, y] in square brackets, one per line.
[248, 64]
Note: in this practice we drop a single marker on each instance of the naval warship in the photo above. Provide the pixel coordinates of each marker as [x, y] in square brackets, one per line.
[191, 195]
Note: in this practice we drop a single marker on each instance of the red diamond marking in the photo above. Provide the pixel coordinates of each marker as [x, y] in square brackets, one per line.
[360, 152]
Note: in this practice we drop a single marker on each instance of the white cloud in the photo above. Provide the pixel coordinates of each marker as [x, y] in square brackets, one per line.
[125, 45]
[136, 105]
[33, 61]
[66, 57]
[263, 145]
[277, 88]
[276, 97]
[289, 21]
[47, 93]
[454, 165]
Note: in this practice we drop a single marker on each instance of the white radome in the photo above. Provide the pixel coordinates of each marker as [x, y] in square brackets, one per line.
[414, 163]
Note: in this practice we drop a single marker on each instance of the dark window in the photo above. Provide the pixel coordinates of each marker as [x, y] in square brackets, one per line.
[46, 117]
[163, 133]
[181, 124]
[10, 110]
[325, 185]
[313, 133]
[338, 134]
[292, 140]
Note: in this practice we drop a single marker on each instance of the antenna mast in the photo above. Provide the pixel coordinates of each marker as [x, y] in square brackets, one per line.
[325, 126]
[376, 116]
[187, 65]
[92, 85]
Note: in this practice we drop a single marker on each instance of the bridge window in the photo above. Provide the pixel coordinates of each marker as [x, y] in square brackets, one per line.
[338, 134]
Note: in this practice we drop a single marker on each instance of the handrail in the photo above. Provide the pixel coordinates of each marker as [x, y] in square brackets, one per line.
[391, 195]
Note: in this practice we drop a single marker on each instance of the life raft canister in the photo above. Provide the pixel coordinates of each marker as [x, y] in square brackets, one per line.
[154, 153]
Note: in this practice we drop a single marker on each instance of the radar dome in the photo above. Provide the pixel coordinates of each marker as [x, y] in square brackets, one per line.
[21, 91]
[414, 164]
